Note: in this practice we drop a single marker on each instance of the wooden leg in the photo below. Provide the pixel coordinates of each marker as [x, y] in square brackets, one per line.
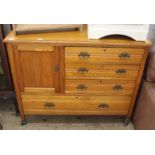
[23, 121]
[16, 107]
[126, 121]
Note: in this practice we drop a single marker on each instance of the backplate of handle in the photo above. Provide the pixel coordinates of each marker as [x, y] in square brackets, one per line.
[117, 87]
[81, 87]
[103, 106]
[120, 71]
[82, 70]
[49, 105]
[124, 55]
[84, 55]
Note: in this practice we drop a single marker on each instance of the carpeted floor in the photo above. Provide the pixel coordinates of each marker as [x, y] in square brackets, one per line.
[11, 122]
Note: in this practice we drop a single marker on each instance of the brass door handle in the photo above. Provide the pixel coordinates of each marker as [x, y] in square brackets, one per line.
[84, 55]
[83, 70]
[117, 87]
[121, 71]
[49, 105]
[81, 87]
[124, 55]
[103, 106]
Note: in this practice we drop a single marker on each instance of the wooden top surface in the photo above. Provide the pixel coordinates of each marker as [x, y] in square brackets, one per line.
[73, 38]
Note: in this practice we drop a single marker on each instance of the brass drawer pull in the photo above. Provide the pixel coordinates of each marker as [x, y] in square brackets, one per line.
[124, 55]
[84, 55]
[49, 105]
[121, 71]
[82, 87]
[83, 70]
[103, 106]
[117, 87]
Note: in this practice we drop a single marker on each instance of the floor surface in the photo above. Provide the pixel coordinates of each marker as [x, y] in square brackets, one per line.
[12, 122]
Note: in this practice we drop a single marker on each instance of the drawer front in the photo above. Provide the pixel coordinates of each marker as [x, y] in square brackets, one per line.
[104, 55]
[35, 47]
[104, 87]
[54, 104]
[105, 71]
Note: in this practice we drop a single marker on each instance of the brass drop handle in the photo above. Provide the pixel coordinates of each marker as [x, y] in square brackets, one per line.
[84, 55]
[117, 87]
[81, 87]
[103, 106]
[49, 105]
[121, 71]
[82, 70]
[124, 55]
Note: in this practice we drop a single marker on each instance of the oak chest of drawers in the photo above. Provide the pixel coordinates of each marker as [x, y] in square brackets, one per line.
[64, 73]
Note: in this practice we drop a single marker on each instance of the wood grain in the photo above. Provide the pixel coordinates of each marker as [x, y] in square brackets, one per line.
[107, 72]
[35, 47]
[101, 51]
[104, 55]
[74, 38]
[46, 70]
[16, 78]
[76, 103]
[38, 68]
[39, 90]
[104, 87]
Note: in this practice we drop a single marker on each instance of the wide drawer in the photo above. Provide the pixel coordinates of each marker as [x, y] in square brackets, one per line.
[101, 71]
[104, 55]
[104, 87]
[38, 104]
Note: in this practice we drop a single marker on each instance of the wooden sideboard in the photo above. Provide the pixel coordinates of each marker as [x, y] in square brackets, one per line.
[64, 73]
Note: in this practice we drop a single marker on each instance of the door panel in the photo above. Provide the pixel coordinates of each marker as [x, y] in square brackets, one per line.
[38, 68]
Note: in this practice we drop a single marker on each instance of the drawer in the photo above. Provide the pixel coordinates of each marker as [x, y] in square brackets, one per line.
[101, 71]
[104, 87]
[35, 47]
[33, 104]
[104, 55]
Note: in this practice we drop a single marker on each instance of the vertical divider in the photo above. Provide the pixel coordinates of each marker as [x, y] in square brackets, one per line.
[62, 69]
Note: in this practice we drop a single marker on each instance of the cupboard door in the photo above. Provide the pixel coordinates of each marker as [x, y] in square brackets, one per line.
[39, 68]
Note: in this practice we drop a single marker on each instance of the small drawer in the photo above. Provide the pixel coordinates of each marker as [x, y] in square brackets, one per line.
[101, 71]
[35, 47]
[58, 104]
[104, 55]
[104, 87]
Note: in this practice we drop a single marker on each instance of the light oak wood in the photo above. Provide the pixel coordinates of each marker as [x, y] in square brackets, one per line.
[47, 70]
[104, 55]
[39, 90]
[18, 86]
[35, 47]
[102, 51]
[38, 68]
[104, 87]
[106, 72]
[74, 38]
[75, 103]
[99, 66]
[71, 112]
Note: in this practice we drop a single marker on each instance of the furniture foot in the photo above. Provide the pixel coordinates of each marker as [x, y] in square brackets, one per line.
[16, 107]
[24, 122]
[126, 121]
